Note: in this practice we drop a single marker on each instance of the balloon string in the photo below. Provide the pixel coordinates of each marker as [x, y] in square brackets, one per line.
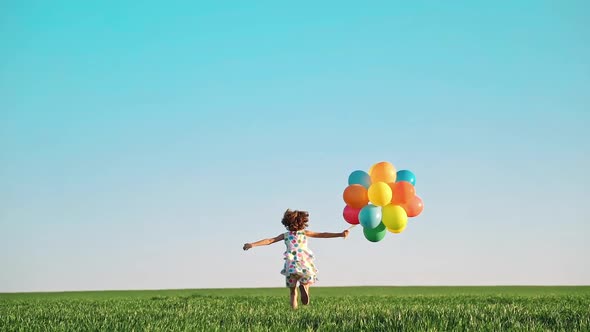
[351, 227]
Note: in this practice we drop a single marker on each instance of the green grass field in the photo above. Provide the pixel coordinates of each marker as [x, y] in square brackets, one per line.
[331, 309]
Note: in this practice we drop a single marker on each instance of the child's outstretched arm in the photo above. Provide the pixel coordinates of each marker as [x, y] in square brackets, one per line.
[264, 242]
[326, 235]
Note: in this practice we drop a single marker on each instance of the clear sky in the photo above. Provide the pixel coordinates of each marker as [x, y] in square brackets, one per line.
[142, 145]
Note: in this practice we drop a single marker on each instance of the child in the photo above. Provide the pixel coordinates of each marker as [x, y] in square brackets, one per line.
[299, 265]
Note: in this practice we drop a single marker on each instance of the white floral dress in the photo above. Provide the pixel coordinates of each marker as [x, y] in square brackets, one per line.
[299, 260]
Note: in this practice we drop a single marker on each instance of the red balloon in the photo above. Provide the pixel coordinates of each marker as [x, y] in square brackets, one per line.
[414, 207]
[351, 215]
[403, 192]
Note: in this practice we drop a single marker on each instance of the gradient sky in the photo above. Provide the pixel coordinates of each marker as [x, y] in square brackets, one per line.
[142, 145]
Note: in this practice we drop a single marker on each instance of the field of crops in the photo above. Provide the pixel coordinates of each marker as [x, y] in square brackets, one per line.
[331, 309]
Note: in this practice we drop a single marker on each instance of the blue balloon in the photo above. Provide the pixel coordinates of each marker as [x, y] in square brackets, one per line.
[405, 175]
[370, 216]
[360, 177]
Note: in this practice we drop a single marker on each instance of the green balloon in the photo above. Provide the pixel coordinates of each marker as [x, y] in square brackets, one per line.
[375, 234]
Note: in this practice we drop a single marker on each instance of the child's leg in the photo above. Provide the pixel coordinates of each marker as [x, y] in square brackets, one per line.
[293, 297]
[292, 284]
[304, 288]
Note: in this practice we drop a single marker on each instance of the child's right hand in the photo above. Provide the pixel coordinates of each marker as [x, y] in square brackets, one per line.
[345, 233]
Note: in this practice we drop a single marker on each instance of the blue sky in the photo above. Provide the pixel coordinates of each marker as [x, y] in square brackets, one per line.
[142, 145]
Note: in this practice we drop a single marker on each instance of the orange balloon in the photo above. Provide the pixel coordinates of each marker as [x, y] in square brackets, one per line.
[402, 191]
[414, 207]
[382, 172]
[356, 196]
[371, 169]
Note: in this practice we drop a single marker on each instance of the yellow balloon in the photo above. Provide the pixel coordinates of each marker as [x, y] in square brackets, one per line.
[396, 231]
[380, 193]
[394, 217]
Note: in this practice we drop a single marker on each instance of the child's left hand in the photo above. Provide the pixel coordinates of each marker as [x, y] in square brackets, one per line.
[247, 246]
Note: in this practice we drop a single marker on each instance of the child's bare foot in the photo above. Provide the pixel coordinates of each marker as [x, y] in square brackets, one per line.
[304, 289]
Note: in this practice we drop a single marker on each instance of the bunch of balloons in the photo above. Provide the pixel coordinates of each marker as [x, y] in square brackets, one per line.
[381, 200]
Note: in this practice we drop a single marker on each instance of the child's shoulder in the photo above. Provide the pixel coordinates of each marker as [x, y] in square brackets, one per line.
[295, 233]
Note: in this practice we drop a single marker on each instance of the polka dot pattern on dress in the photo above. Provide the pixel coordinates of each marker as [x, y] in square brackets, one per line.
[299, 260]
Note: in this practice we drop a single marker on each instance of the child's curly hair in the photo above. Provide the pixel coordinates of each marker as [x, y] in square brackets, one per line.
[295, 220]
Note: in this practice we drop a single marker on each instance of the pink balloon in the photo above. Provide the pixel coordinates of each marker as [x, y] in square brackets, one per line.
[351, 215]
